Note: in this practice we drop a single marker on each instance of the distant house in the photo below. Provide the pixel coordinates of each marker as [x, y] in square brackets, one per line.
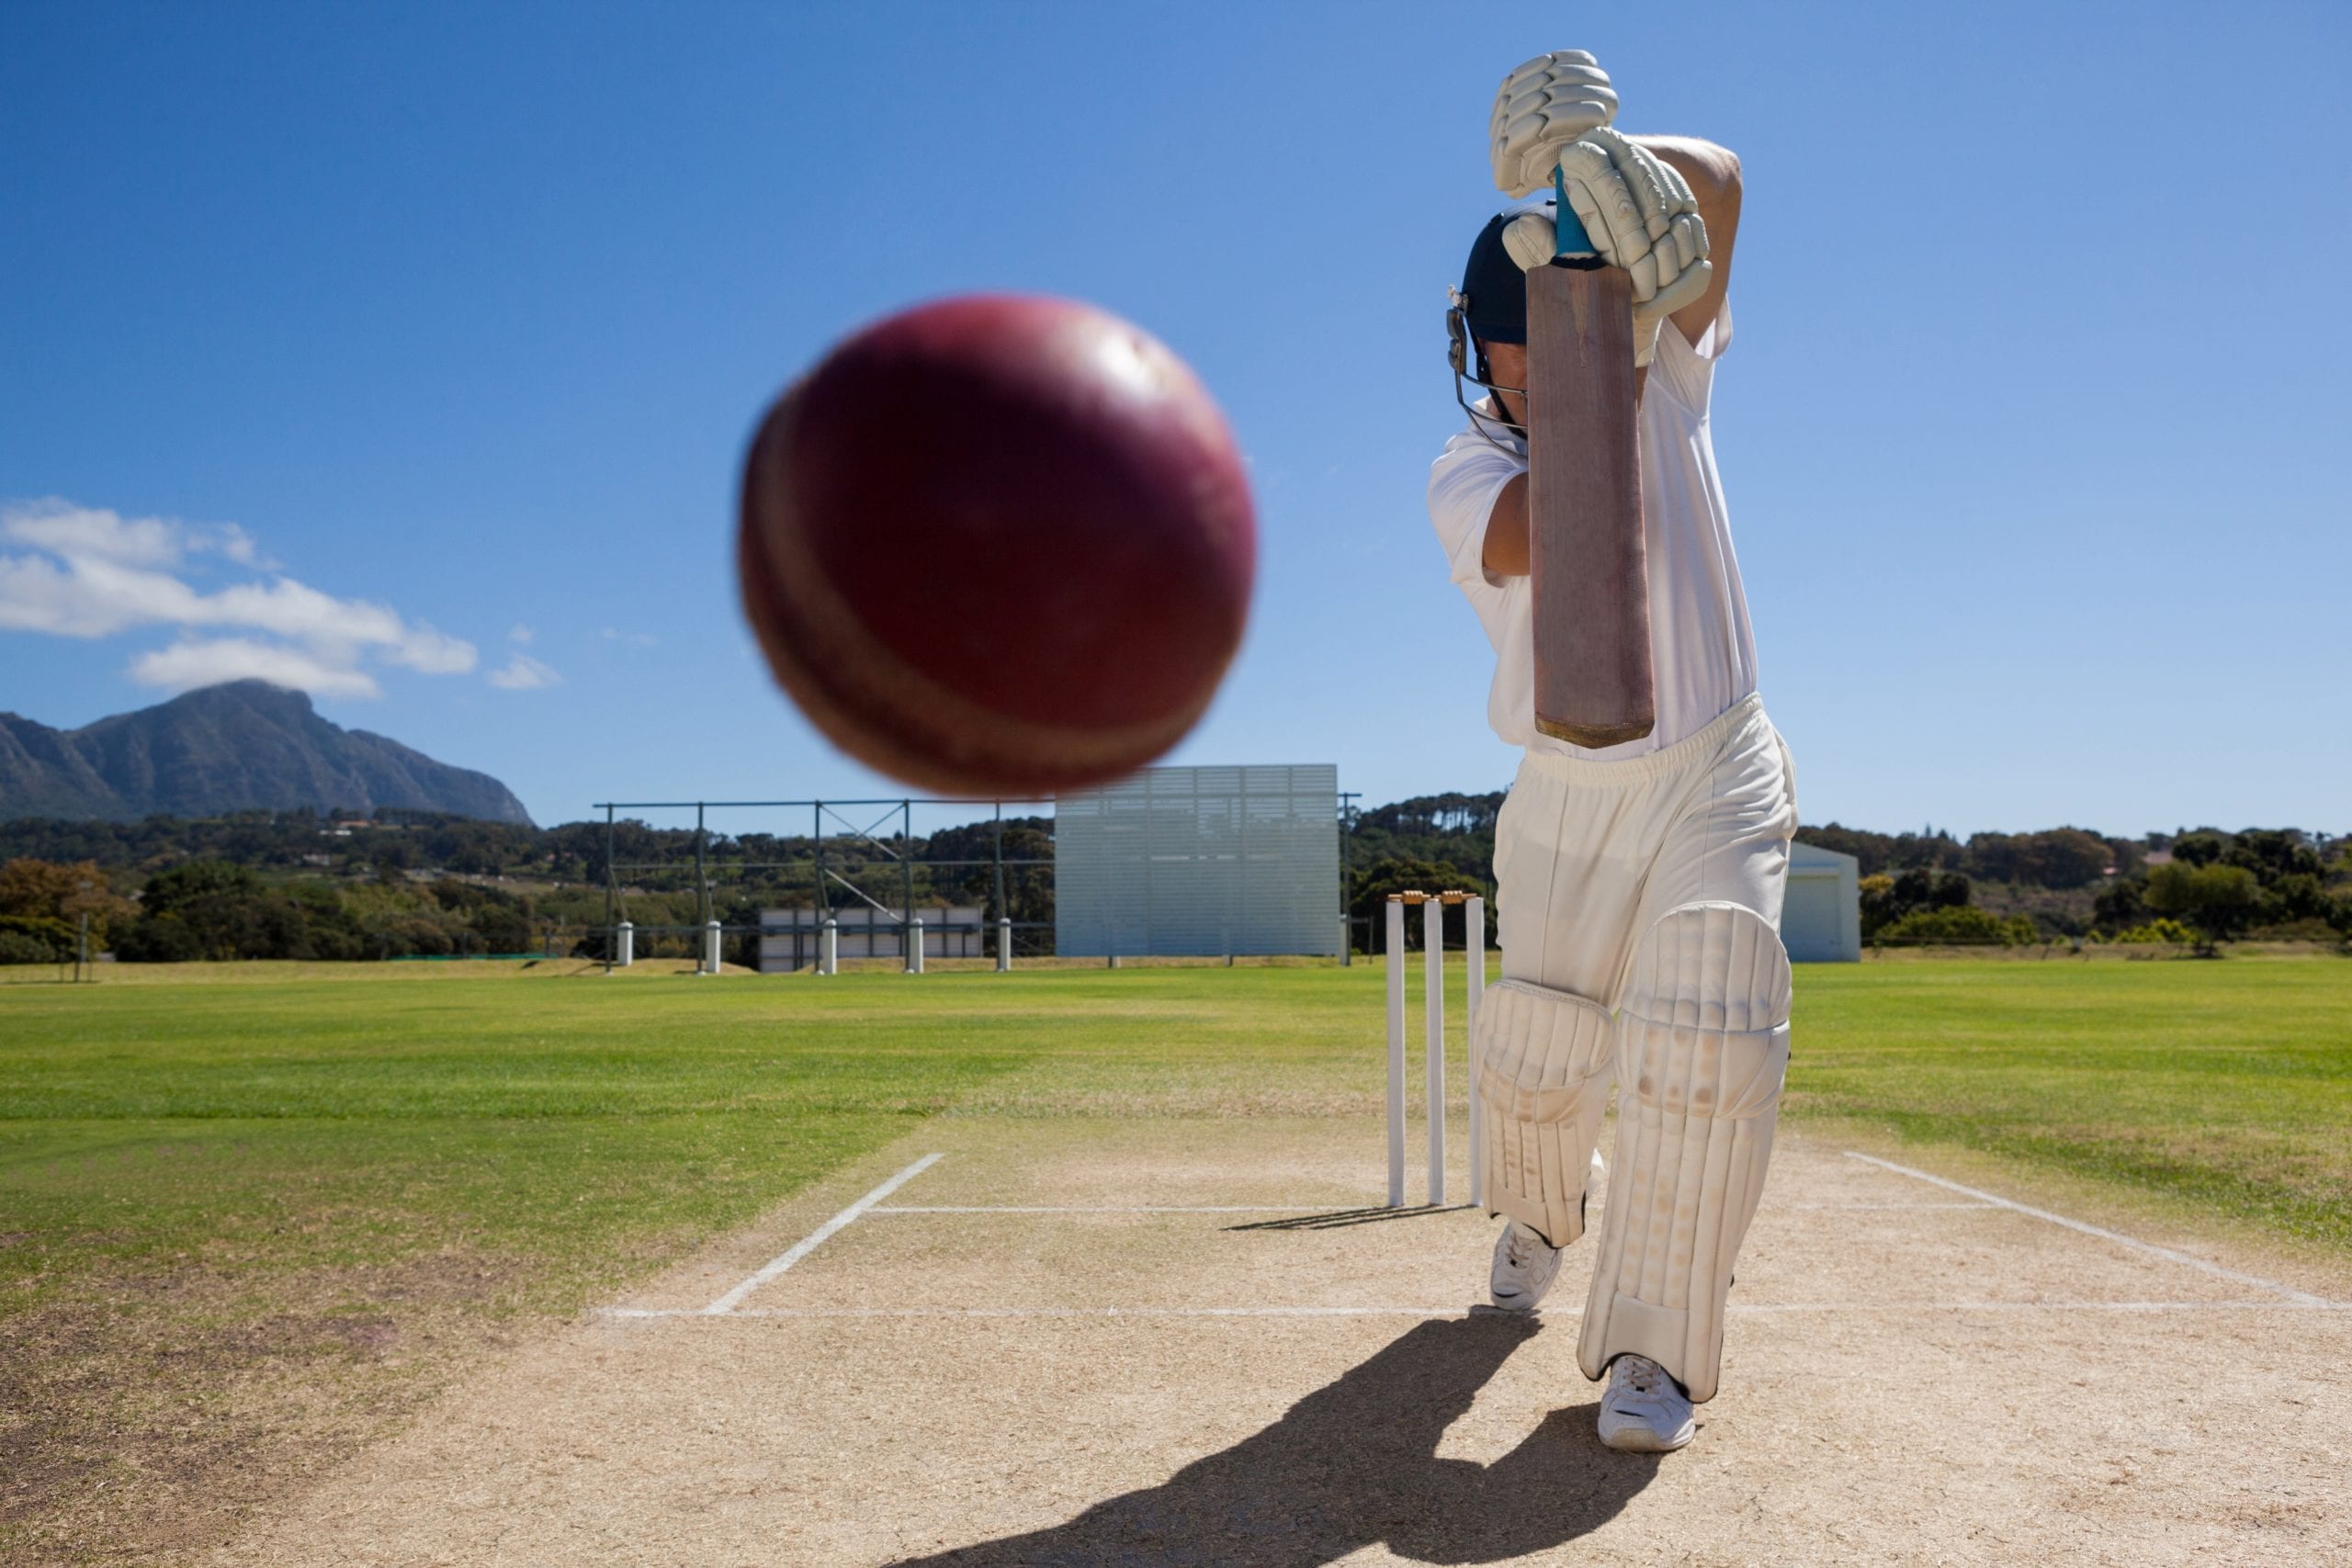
[1821, 922]
[788, 938]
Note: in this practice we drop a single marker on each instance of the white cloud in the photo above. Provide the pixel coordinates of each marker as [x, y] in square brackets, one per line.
[93, 573]
[238, 545]
[433, 653]
[524, 673]
[84, 533]
[193, 662]
[635, 640]
[520, 633]
[90, 533]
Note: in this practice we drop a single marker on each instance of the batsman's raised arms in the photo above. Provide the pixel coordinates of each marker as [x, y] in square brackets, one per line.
[1640, 214]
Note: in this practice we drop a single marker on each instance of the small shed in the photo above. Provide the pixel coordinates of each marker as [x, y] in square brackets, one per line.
[1821, 921]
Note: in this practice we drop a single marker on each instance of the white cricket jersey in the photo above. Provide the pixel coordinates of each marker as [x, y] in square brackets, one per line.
[1702, 646]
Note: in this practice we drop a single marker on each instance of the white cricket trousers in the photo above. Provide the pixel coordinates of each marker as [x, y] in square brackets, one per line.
[1640, 909]
[1589, 855]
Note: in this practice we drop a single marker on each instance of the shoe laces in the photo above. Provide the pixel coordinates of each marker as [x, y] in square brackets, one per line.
[1643, 1377]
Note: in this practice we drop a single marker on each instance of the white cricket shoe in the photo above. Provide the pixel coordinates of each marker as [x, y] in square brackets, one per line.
[1644, 1411]
[1525, 1266]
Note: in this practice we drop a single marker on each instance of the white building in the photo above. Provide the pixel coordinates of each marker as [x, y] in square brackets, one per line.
[1822, 920]
[788, 937]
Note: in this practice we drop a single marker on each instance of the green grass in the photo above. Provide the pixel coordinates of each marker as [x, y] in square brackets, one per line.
[574, 1131]
[256, 1190]
[2227, 1084]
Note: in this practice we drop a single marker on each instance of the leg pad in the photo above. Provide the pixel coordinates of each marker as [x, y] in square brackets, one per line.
[1701, 1048]
[1543, 1061]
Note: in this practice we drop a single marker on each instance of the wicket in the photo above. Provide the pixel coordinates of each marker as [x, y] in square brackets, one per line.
[1434, 1035]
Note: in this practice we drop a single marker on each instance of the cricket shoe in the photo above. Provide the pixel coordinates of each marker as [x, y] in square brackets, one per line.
[1525, 1266]
[1644, 1410]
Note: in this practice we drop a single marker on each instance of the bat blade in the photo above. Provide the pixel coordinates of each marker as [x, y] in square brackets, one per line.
[1594, 685]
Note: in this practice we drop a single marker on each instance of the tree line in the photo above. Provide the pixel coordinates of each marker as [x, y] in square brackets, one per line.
[406, 884]
[304, 885]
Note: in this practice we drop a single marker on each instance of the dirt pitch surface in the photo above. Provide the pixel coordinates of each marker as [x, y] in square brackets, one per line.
[1173, 1342]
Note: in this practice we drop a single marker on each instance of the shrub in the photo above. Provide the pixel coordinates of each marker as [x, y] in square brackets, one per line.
[16, 947]
[2163, 929]
[1376, 883]
[2218, 900]
[56, 941]
[501, 929]
[1963, 924]
[159, 938]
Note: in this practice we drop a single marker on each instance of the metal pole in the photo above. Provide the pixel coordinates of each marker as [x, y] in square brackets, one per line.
[612, 889]
[1433, 1041]
[1347, 877]
[1473, 919]
[710, 948]
[914, 946]
[1237, 889]
[829, 948]
[624, 941]
[1396, 957]
[1003, 908]
[906, 879]
[702, 877]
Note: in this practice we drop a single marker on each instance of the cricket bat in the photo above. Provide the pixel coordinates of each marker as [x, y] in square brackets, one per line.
[1594, 685]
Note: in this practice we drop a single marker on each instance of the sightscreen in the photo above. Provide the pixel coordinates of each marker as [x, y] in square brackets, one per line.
[1201, 861]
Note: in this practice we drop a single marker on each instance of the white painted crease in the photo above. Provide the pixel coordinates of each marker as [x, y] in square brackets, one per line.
[2300, 1297]
[812, 1241]
[1122, 1208]
[1758, 1309]
[1883, 1207]
[1299, 1209]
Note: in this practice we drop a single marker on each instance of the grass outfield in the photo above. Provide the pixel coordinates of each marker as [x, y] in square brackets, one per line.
[246, 1223]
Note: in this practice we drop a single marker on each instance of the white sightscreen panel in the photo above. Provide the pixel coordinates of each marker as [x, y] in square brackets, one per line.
[1200, 861]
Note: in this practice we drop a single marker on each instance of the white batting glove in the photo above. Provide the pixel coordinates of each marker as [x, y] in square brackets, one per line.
[1640, 214]
[1541, 106]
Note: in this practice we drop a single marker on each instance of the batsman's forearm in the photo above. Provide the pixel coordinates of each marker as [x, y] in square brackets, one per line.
[1716, 182]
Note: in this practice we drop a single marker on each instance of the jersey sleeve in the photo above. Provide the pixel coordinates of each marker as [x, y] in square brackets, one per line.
[1463, 482]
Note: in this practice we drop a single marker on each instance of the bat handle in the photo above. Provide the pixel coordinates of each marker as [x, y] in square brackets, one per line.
[1572, 243]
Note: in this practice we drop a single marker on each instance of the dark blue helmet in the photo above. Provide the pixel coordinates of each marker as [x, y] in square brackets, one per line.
[1494, 289]
[1489, 307]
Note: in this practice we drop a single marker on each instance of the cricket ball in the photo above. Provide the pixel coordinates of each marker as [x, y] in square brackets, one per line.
[998, 545]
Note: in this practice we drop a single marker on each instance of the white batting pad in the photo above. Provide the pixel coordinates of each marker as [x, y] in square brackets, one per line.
[1543, 1060]
[1550, 100]
[1703, 1045]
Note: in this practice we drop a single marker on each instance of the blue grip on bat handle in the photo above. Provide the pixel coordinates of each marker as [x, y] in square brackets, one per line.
[1568, 236]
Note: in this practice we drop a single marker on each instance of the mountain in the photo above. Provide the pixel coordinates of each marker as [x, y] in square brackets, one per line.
[240, 746]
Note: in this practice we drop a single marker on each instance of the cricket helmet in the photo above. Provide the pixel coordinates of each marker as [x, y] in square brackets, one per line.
[1489, 307]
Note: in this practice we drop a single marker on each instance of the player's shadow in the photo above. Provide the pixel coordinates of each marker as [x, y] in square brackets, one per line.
[1355, 1464]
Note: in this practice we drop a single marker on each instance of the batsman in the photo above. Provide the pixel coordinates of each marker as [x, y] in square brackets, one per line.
[1641, 855]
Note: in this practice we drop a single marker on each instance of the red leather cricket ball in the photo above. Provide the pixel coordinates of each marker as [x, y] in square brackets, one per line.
[998, 546]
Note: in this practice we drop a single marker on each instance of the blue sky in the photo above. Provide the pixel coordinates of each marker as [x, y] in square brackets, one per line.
[410, 353]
